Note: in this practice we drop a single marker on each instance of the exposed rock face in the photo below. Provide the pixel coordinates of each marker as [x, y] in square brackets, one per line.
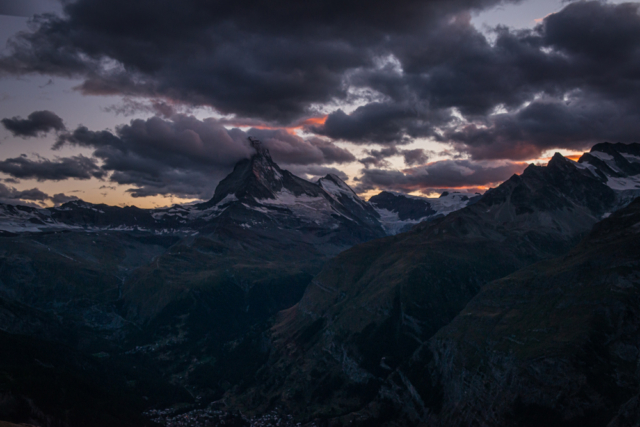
[344, 195]
[617, 166]
[555, 344]
[373, 306]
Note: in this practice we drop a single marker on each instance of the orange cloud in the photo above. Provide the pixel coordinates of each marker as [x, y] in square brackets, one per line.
[311, 121]
[314, 121]
[540, 20]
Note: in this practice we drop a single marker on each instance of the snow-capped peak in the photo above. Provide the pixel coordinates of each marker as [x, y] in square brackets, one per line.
[333, 185]
[616, 165]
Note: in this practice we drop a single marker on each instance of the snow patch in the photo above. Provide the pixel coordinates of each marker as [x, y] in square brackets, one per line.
[444, 205]
[620, 184]
[391, 222]
[227, 199]
[335, 187]
[589, 167]
[316, 209]
[608, 159]
[631, 158]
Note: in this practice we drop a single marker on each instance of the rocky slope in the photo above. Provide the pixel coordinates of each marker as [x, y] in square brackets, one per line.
[554, 344]
[374, 305]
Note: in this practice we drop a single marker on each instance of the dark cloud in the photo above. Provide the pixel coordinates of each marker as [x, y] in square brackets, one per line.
[380, 123]
[32, 197]
[378, 158]
[187, 157]
[577, 123]
[37, 123]
[33, 194]
[442, 174]
[25, 197]
[375, 162]
[415, 68]
[76, 167]
[60, 198]
[129, 107]
[415, 157]
[571, 81]
[287, 148]
[183, 156]
[270, 60]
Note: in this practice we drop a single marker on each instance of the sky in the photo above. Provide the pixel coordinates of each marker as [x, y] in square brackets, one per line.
[150, 102]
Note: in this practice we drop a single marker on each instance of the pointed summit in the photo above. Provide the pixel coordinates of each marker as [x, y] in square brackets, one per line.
[261, 150]
[258, 190]
[561, 163]
[252, 179]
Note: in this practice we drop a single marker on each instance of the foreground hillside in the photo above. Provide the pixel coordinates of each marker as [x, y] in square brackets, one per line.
[555, 344]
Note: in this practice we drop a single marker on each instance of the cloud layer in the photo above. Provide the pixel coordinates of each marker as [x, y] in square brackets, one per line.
[187, 157]
[384, 74]
[440, 175]
[571, 81]
[256, 59]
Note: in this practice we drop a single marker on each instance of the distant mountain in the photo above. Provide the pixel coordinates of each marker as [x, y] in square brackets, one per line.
[366, 313]
[617, 166]
[257, 196]
[344, 195]
[399, 212]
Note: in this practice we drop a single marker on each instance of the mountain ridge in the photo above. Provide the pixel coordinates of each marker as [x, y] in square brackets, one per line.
[398, 291]
[564, 333]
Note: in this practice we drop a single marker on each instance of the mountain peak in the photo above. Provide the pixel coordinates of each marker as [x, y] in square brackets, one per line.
[558, 158]
[256, 178]
[261, 150]
[559, 162]
[332, 184]
[333, 177]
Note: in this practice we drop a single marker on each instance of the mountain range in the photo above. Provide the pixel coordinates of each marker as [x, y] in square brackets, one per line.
[296, 296]
[257, 195]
